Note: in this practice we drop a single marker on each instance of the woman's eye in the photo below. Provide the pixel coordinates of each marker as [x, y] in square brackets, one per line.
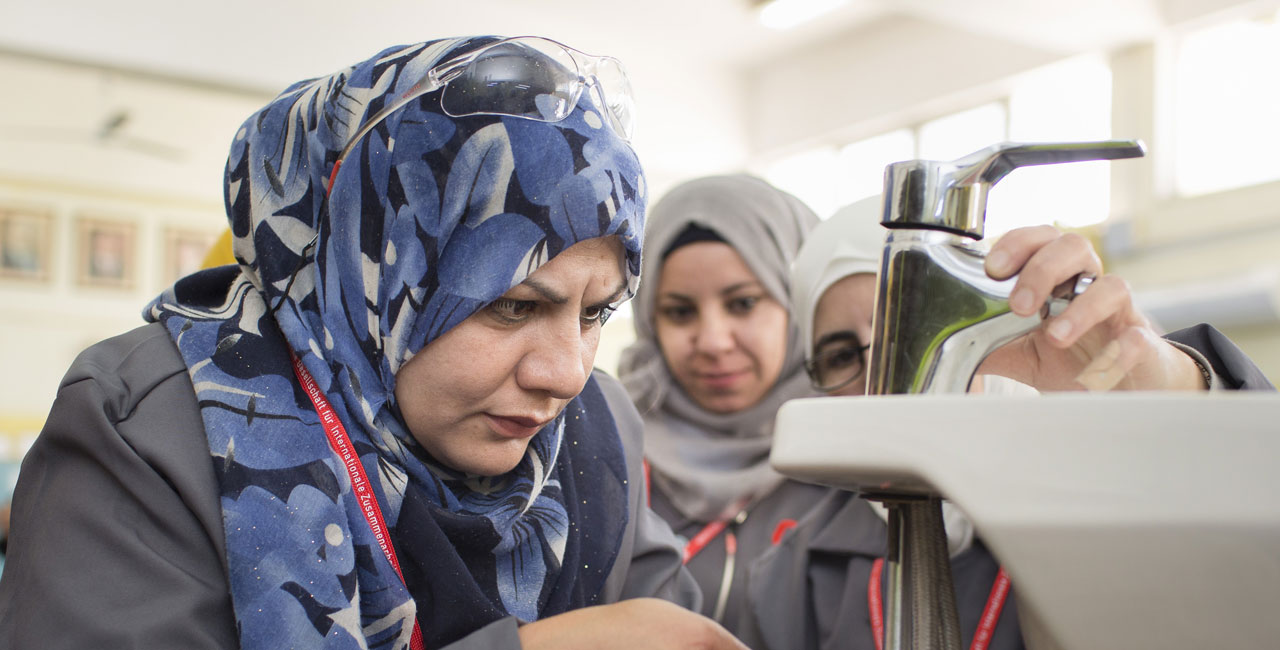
[842, 357]
[512, 311]
[742, 304]
[596, 315]
[677, 313]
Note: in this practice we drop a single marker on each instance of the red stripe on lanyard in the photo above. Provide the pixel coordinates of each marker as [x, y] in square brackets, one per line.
[332, 175]
[986, 624]
[341, 446]
[991, 613]
[704, 537]
[781, 529]
[875, 605]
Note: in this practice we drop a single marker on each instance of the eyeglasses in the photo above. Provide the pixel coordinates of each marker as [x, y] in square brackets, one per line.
[527, 76]
[839, 361]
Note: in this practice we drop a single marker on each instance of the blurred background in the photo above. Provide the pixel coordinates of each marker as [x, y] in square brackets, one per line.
[116, 117]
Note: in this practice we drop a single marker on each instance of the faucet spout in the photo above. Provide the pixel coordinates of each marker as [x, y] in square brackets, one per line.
[943, 315]
[938, 314]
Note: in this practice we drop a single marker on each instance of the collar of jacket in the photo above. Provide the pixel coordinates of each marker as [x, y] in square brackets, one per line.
[852, 528]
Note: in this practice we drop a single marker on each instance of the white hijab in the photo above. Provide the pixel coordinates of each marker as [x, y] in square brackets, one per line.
[847, 244]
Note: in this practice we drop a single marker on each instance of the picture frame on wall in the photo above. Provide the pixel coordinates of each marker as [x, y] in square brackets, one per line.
[184, 253]
[106, 253]
[26, 244]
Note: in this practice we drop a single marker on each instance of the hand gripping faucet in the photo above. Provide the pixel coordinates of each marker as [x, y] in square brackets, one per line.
[937, 316]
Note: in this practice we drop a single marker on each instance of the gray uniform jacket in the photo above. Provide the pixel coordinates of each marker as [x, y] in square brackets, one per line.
[810, 592]
[765, 522]
[117, 538]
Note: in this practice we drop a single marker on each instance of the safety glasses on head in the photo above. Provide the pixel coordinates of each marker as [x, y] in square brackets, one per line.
[528, 77]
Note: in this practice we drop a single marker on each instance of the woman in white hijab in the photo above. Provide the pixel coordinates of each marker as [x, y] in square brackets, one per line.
[716, 355]
[813, 590]
[833, 285]
[818, 587]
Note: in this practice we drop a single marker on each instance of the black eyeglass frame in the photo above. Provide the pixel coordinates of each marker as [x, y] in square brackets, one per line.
[810, 368]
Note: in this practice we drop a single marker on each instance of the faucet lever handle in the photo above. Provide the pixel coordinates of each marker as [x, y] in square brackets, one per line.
[952, 196]
[995, 162]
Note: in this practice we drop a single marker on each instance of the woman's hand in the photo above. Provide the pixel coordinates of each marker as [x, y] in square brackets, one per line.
[635, 624]
[1099, 342]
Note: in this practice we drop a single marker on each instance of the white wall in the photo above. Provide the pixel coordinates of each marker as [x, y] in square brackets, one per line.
[895, 71]
[695, 118]
[52, 161]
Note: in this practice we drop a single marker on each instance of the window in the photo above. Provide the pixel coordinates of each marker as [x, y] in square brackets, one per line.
[1067, 102]
[810, 175]
[1225, 95]
[963, 133]
[862, 163]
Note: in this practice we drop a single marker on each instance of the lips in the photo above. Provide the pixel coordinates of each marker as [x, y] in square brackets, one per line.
[721, 380]
[514, 426]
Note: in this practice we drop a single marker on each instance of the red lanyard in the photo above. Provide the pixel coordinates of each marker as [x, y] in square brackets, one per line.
[700, 541]
[704, 537]
[341, 446]
[986, 624]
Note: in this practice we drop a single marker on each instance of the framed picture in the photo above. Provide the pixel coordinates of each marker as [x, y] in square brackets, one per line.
[25, 244]
[106, 253]
[184, 253]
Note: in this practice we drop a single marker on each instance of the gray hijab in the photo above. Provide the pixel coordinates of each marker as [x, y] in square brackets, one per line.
[706, 462]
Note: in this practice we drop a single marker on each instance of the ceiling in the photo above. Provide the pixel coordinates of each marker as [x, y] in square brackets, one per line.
[267, 44]
[690, 62]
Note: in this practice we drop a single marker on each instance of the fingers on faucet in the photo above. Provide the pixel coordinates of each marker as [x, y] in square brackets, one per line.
[1015, 247]
[1049, 264]
[1107, 299]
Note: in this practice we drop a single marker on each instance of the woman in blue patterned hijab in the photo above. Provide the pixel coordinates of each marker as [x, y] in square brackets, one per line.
[395, 380]
[380, 429]
[430, 219]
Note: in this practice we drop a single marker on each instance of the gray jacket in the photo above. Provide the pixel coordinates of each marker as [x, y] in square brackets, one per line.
[765, 523]
[117, 537]
[811, 590]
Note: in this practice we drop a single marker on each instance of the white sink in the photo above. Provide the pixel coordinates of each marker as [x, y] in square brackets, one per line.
[1126, 520]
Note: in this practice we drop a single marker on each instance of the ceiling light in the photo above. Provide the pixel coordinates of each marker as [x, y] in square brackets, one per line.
[785, 14]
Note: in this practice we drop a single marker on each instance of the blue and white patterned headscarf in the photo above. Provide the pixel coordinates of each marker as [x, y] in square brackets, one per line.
[429, 219]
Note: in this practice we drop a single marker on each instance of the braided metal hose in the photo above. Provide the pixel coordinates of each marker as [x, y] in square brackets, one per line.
[922, 611]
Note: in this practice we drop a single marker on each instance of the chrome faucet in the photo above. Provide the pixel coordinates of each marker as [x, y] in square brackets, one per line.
[938, 314]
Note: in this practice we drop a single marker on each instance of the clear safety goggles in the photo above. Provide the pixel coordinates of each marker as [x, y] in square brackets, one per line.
[528, 77]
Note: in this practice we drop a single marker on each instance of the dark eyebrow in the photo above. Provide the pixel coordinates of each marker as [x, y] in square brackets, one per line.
[729, 290]
[750, 284]
[838, 336]
[547, 292]
[557, 298]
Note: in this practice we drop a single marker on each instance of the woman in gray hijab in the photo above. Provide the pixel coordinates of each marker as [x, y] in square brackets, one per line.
[716, 355]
